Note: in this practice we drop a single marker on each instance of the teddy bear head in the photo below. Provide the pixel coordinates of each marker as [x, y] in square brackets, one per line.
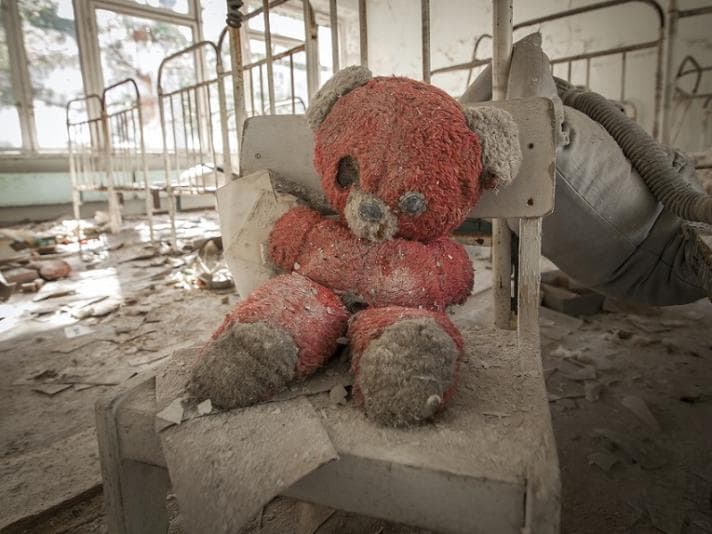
[401, 158]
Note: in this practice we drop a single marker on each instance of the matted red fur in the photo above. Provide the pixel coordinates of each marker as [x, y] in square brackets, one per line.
[406, 136]
[395, 272]
[312, 315]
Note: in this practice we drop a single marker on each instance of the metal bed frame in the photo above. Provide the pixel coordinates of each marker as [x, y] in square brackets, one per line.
[107, 152]
[679, 98]
[192, 164]
[658, 45]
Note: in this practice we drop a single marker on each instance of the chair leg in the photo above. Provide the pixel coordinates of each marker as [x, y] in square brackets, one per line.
[134, 492]
[144, 488]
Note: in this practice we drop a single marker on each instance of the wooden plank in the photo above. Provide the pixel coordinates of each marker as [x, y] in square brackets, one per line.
[529, 278]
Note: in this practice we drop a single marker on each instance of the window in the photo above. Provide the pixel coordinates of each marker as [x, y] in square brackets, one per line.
[177, 6]
[133, 47]
[53, 62]
[10, 135]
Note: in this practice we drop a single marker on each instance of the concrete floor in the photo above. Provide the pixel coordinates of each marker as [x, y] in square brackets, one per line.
[635, 455]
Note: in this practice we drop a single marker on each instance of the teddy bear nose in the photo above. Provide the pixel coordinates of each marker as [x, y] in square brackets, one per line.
[370, 211]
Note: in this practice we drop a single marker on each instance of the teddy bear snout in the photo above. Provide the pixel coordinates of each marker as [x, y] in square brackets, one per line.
[370, 211]
[369, 217]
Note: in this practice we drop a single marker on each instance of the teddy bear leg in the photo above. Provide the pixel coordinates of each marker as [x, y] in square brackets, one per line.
[284, 330]
[405, 363]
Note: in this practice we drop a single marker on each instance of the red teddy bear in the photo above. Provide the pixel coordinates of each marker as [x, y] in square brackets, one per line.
[402, 163]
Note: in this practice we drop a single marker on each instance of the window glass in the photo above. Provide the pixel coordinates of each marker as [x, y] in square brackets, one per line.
[214, 13]
[10, 136]
[133, 47]
[177, 6]
[53, 62]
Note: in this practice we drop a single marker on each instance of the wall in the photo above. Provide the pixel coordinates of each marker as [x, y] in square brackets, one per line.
[394, 46]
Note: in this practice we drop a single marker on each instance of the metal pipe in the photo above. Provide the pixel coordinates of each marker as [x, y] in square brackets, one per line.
[334, 22]
[501, 236]
[363, 32]
[425, 38]
[268, 50]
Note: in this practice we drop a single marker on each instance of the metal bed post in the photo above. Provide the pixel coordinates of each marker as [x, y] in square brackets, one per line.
[669, 90]
[425, 37]
[268, 55]
[222, 107]
[167, 165]
[144, 169]
[114, 208]
[501, 236]
[311, 44]
[363, 32]
[234, 23]
[334, 21]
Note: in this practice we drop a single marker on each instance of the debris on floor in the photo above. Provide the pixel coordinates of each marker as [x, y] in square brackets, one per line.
[629, 386]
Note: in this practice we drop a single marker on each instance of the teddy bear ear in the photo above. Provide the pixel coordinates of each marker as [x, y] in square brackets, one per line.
[499, 139]
[342, 82]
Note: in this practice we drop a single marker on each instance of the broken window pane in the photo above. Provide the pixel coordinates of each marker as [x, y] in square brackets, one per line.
[53, 61]
[133, 47]
[10, 137]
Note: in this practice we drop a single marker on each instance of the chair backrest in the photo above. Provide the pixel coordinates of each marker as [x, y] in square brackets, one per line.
[283, 144]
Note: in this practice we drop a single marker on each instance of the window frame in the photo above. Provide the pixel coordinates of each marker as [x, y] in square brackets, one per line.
[89, 57]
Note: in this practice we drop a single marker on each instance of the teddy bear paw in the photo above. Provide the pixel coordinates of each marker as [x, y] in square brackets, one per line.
[246, 364]
[405, 375]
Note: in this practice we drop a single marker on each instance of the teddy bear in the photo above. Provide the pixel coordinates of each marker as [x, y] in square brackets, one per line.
[402, 164]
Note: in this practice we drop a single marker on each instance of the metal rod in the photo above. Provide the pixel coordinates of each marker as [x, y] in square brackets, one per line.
[276, 57]
[262, 91]
[623, 75]
[588, 73]
[291, 82]
[363, 32]
[222, 107]
[238, 82]
[334, 22]
[607, 52]
[268, 50]
[311, 43]
[501, 236]
[425, 38]
[462, 66]
[669, 81]
[259, 10]
[252, 92]
[591, 7]
[694, 12]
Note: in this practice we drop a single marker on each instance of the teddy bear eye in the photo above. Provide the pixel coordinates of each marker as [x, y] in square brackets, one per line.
[413, 203]
[347, 174]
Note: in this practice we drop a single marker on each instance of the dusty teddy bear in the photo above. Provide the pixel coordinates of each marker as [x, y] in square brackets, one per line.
[402, 163]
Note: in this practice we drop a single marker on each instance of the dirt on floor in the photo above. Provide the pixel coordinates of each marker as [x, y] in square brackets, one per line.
[630, 391]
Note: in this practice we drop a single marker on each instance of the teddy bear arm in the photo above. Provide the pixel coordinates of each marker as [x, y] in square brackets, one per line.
[285, 329]
[288, 237]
